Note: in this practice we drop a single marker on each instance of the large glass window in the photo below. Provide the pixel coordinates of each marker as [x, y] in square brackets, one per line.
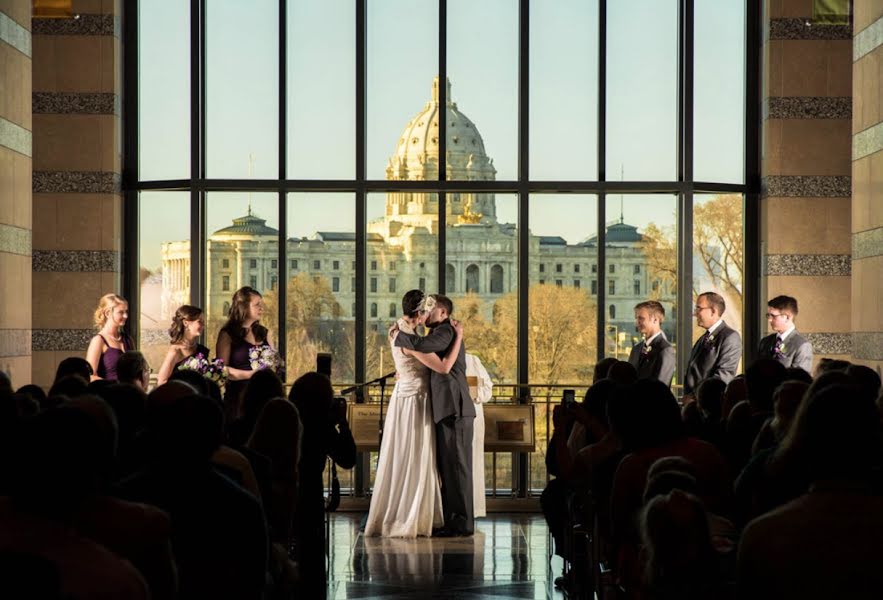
[544, 264]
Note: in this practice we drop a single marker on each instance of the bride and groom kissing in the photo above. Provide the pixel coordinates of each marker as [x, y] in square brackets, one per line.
[423, 484]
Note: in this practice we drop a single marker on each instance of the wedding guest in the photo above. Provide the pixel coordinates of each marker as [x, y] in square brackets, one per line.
[717, 353]
[654, 356]
[111, 341]
[242, 332]
[132, 368]
[187, 325]
[785, 344]
[74, 365]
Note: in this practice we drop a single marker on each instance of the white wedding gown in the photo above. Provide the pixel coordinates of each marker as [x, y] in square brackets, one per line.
[407, 498]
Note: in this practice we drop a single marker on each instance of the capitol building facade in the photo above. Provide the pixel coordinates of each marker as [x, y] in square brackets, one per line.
[402, 248]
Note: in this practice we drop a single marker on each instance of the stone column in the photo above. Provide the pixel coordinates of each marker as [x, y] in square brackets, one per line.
[76, 180]
[867, 190]
[15, 190]
[805, 206]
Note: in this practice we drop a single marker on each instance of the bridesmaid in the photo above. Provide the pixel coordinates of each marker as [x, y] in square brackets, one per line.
[237, 337]
[187, 325]
[110, 342]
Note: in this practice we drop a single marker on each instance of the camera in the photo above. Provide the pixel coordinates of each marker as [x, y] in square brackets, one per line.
[568, 399]
[323, 364]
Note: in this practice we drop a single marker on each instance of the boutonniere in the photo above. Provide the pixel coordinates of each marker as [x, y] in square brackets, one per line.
[709, 341]
[779, 349]
[645, 350]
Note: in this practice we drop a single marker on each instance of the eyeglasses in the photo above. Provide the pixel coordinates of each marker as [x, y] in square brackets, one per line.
[774, 316]
[697, 309]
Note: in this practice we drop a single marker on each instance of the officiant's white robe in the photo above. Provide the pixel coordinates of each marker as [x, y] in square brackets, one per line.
[480, 394]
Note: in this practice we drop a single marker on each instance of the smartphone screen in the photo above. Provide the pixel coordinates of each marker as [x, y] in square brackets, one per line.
[568, 398]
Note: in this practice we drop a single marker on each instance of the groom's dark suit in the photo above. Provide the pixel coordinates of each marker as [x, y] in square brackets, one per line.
[658, 363]
[714, 355]
[453, 412]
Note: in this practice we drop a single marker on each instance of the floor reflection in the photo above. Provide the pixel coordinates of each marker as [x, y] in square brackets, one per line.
[508, 557]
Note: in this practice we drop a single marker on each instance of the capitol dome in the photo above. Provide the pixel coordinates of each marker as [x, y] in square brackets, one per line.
[247, 227]
[416, 155]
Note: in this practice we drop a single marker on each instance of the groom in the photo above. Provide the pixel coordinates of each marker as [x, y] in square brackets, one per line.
[453, 413]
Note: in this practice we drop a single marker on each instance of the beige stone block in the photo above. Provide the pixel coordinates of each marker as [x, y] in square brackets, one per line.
[18, 368]
[858, 122]
[780, 9]
[7, 185]
[97, 7]
[17, 10]
[824, 301]
[774, 71]
[15, 281]
[77, 222]
[45, 234]
[15, 189]
[66, 300]
[870, 215]
[15, 94]
[839, 67]
[74, 63]
[867, 294]
[861, 188]
[806, 225]
[43, 366]
[111, 221]
[864, 13]
[869, 92]
[810, 67]
[75, 143]
[808, 147]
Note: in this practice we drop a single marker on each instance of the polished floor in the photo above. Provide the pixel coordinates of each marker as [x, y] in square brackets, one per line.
[508, 558]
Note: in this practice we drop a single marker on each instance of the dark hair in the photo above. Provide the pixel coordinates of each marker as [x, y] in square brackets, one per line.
[645, 415]
[187, 431]
[762, 378]
[865, 378]
[785, 303]
[797, 374]
[602, 369]
[597, 397]
[70, 387]
[411, 301]
[716, 301]
[196, 380]
[831, 364]
[185, 312]
[238, 313]
[313, 395]
[623, 372]
[263, 386]
[786, 401]
[653, 307]
[709, 395]
[74, 365]
[444, 302]
[35, 392]
[131, 367]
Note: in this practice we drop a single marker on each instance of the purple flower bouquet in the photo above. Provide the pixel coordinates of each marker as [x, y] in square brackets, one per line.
[214, 370]
[265, 356]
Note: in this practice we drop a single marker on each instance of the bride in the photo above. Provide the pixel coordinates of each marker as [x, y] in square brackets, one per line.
[407, 499]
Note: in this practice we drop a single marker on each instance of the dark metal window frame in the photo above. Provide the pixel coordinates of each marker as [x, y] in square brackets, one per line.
[684, 186]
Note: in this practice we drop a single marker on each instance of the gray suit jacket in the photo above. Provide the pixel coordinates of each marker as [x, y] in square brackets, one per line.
[449, 391]
[658, 364]
[716, 358]
[798, 351]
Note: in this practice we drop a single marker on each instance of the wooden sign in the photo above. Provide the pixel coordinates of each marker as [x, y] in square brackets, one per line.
[509, 428]
[364, 420]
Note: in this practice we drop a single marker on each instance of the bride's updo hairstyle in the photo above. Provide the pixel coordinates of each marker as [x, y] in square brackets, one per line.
[184, 313]
[411, 303]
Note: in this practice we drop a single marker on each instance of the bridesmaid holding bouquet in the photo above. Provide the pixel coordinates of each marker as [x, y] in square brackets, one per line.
[187, 325]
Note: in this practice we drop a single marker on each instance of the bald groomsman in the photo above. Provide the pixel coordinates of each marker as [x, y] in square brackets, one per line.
[785, 344]
[717, 353]
[654, 356]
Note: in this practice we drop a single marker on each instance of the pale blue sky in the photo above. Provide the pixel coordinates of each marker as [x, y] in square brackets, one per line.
[242, 97]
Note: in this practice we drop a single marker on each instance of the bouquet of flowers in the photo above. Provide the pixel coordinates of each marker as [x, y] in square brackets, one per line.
[214, 370]
[265, 356]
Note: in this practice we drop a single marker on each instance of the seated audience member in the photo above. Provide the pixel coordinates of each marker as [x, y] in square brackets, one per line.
[263, 386]
[129, 405]
[827, 543]
[680, 562]
[132, 368]
[219, 537]
[692, 417]
[5, 383]
[736, 392]
[605, 444]
[67, 388]
[866, 378]
[326, 435]
[623, 373]
[69, 453]
[754, 491]
[74, 365]
[762, 378]
[831, 364]
[709, 401]
[602, 369]
[35, 392]
[796, 374]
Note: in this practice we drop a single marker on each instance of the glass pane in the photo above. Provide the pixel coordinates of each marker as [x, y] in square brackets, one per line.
[402, 255]
[402, 62]
[642, 265]
[563, 259]
[563, 265]
[242, 89]
[164, 252]
[642, 77]
[163, 90]
[482, 140]
[564, 90]
[321, 89]
[719, 91]
[481, 277]
[242, 250]
[321, 249]
[718, 253]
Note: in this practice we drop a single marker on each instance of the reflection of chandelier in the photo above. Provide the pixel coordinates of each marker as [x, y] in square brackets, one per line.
[469, 217]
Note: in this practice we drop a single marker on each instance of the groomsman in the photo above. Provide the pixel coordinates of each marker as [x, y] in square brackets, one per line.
[654, 356]
[717, 353]
[786, 345]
